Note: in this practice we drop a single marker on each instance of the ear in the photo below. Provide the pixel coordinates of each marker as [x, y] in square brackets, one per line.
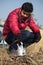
[18, 45]
[21, 43]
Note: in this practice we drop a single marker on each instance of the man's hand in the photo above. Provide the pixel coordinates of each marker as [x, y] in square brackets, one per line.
[4, 37]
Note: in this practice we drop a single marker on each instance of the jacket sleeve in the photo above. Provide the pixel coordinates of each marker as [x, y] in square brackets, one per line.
[13, 23]
[33, 26]
[35, 29]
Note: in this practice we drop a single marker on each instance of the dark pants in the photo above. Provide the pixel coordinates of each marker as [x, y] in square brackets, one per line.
[27, 37]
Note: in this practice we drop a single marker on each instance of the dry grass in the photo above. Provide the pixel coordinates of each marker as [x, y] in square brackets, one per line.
[34, 55]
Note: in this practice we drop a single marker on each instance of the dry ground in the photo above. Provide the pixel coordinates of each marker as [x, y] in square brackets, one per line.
[34, 55]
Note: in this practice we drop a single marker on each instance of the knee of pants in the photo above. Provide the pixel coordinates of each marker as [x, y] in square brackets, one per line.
[30, 35]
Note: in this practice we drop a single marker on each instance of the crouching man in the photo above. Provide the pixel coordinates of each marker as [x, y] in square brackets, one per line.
[15, 24]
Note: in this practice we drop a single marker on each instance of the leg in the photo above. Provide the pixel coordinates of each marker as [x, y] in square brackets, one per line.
[28, 37]
[10, 40]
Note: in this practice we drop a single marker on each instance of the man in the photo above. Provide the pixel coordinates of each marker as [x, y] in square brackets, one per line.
[15, 24]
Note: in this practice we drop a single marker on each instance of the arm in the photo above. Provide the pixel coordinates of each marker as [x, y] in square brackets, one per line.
[13, 23]
[35, 29]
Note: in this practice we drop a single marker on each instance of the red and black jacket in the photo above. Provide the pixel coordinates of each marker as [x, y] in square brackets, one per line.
[12, 23]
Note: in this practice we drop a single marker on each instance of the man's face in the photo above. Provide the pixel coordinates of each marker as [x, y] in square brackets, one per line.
[25, 14]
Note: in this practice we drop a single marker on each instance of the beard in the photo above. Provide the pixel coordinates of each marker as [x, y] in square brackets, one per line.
[24, 18]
